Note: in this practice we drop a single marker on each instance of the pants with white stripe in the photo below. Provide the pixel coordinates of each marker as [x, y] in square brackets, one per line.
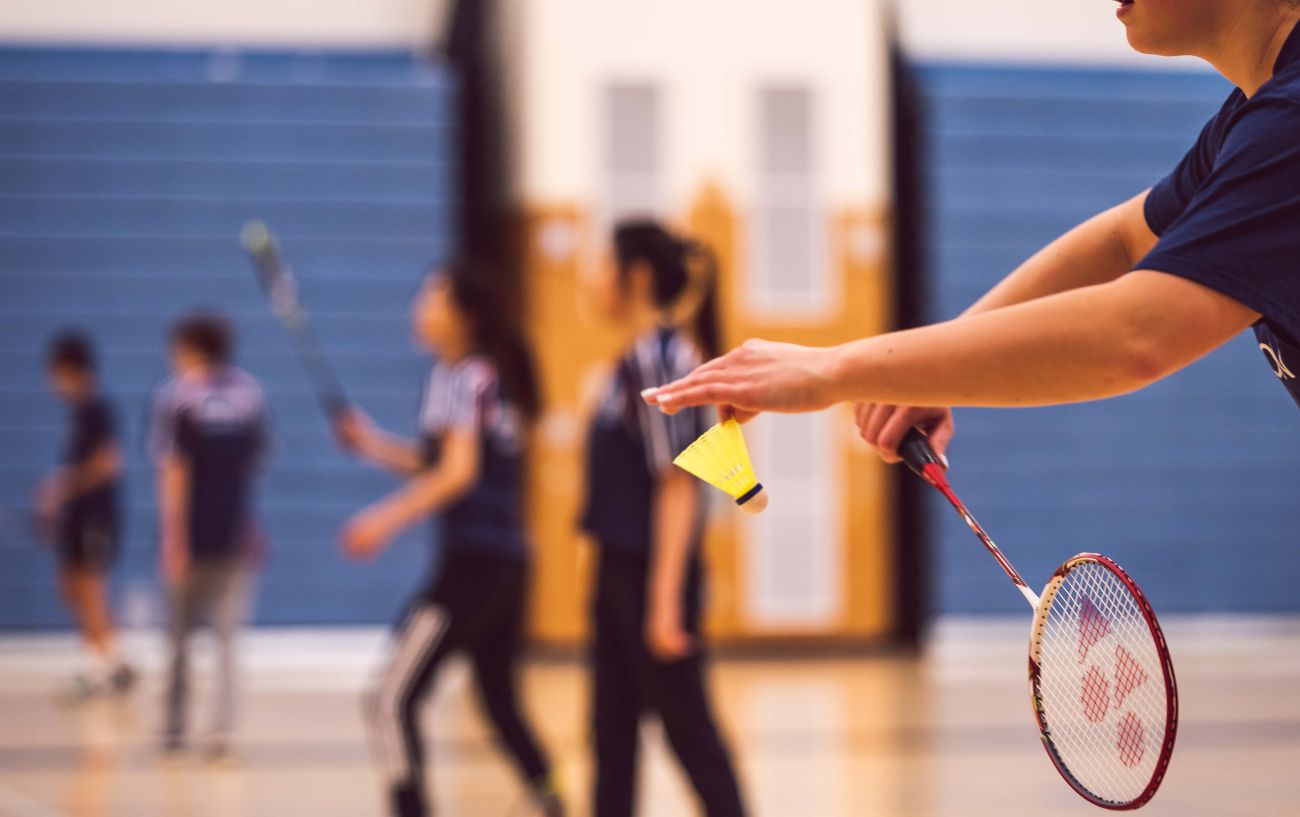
[476, 606]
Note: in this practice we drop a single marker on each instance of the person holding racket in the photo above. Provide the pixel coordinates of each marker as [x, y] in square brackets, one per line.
[77, 509]
[468, 467]
[1121, 301]
[647, 518]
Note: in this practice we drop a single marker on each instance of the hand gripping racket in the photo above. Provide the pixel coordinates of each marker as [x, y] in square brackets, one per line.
[282, 291]
[1102, 682]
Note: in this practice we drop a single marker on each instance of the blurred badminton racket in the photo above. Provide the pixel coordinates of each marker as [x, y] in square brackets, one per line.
[1102, 681]
[281, 290]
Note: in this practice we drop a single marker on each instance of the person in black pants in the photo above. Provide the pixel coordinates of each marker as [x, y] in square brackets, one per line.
[468, 465]
[647, 518]
[77, 510]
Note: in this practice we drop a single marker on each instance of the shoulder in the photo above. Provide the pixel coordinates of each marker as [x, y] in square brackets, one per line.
[244, 384]
[100, 406]
[477, 371]
[165, 394]
[1269, 120]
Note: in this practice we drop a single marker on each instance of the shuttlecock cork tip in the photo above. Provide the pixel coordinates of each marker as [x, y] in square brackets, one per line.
[756, 502]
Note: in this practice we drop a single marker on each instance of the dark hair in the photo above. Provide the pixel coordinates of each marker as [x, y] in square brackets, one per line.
[71, 349]
[677, 265]
[207, 333]
[496, 330]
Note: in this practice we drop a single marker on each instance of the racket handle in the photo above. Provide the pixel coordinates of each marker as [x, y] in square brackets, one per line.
[916, 452]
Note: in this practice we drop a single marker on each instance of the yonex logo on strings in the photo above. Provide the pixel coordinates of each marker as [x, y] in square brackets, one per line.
[1096, 692]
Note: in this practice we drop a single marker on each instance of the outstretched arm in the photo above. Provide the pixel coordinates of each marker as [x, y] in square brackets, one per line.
[358, 434]
[1084, 344]
[372, 528]
[1096, 252]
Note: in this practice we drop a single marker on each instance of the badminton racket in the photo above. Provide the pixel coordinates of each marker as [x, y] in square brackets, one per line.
[281, 290]
[1102, 682]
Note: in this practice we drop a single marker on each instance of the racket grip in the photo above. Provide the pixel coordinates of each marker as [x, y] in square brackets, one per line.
[916, 451]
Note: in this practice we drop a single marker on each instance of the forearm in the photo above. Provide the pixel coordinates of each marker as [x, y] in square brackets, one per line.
[104, 466]
[393, 453]
[423, 495]
[1084, 344]
[1096, 252]
[676, 502]
[173, 502]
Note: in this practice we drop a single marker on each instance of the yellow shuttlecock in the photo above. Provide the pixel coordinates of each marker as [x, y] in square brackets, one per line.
[719, 458]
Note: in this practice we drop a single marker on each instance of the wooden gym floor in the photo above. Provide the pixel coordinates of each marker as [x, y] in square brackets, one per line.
[948, 734]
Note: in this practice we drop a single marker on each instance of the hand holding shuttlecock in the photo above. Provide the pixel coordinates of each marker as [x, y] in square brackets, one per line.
[719, 457]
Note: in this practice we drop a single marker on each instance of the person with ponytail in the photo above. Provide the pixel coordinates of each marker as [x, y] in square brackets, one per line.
[647, 519]
[468, 467]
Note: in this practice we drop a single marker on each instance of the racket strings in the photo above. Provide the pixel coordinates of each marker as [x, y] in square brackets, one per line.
[1101, 687]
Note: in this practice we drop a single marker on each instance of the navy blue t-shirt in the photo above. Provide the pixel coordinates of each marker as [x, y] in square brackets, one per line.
[218, 427]
[93, 427]
[631, 445]
[1228, 216]
[468, 397]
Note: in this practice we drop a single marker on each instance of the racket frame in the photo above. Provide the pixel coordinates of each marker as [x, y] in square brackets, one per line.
[1166, 668]
[917, 454]
[281, 289]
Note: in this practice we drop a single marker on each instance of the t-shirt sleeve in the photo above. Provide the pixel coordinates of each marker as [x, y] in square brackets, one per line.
[454, 398]
[664, 435]
[98, 431]
[1238, 232]
[1171, 195]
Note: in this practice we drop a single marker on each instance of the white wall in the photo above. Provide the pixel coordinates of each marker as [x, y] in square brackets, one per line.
[342, 23]
[1074, 31]
[709, 57]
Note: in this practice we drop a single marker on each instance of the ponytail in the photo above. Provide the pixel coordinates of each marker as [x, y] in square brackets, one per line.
[518, 371]
[700, 301]
[497, 332]
[685, 278]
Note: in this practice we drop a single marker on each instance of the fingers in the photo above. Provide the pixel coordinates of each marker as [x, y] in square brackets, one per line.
[892, 433]
[741, 416]
[940, 434]
[702, 395]
[875, 422]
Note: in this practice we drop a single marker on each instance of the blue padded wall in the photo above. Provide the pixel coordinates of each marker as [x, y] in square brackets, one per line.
[1191, 484]
[124, 179]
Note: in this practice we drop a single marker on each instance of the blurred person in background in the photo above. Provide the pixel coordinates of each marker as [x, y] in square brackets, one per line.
[647, 520]
[1123, 300]
[208, 434]
[467, 466]
[77, 507]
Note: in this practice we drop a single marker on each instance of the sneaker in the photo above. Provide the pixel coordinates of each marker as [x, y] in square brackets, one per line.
[122, 679]
[173, 742]
[550, 805]
[220, 754]
[79, 690]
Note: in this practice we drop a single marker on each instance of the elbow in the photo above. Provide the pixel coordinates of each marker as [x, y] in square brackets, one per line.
[460, 481]
[1143, 358]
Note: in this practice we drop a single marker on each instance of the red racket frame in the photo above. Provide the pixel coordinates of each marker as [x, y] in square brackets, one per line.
[1166, 666]
[917, 454]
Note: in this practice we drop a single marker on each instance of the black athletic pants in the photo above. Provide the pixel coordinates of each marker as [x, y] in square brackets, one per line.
[629, 682]
[476, 606]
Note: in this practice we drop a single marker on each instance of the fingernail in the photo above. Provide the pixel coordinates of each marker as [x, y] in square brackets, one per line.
[943, 458]
[648, 395]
